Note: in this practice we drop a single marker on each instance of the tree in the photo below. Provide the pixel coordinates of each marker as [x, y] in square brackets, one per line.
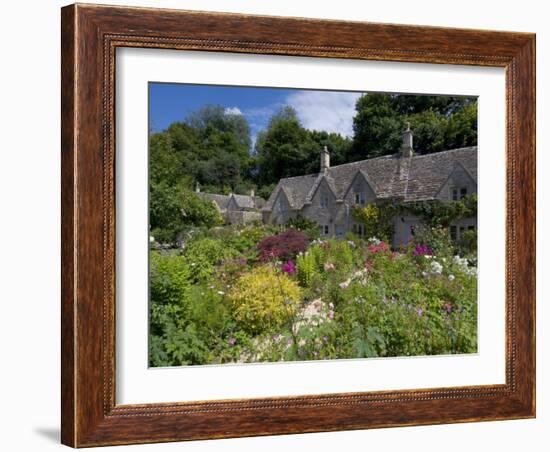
[288, 149]
[174, 208]
[281, 148]
[438, 122]
[377, 127]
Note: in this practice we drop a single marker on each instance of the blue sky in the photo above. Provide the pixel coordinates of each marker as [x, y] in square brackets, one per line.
[331, 111]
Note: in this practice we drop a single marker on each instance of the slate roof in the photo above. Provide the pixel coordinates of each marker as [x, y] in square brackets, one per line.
[242, 201]
[220, 200]
[415, 178]
[248, 202]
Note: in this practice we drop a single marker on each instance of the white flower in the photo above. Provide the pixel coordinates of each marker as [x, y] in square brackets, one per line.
[375, 241]
[472, 271]
[436, 267]
[221, 292]
[151, 239]
[345, 284]
[451, 277]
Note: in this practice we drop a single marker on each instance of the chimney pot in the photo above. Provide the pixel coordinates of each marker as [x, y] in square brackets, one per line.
[325, 159]
[407, 145]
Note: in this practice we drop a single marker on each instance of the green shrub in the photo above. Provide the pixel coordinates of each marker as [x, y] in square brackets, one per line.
[467, 243]
[169, 279]
[307, 268]
[309, 227]
[376, 220]
[437, 239]
[264, 299]
[203, 254]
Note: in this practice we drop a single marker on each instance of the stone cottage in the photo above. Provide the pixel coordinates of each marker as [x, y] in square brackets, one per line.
[236, 209]
[329, 196]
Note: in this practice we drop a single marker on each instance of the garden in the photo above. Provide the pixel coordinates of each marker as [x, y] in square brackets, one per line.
[260, 293]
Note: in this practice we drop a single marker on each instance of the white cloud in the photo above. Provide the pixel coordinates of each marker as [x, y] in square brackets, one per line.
[328, 111]
[233, 111]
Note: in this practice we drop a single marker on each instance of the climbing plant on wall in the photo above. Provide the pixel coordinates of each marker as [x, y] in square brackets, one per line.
[377, 218]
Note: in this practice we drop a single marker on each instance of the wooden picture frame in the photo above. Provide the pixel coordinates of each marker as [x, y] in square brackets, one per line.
[90, 36]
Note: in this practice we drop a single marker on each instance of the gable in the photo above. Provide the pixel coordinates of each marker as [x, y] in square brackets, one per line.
[360, 184]
[458, 178]
[321, 189]
[232, 205]
[281, 203]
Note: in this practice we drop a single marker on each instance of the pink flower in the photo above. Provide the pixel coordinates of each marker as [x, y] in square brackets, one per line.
[232, 341]
[344, 285]
[331, 314]
[379, 248]
[419, 312]
[328, 266]
[289, 268]
[422, 250]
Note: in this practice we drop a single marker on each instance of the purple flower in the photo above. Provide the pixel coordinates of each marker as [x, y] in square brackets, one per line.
[419, 311]
[289, 268]
[448, 307]
[232, 341]
[422, 250]
[384, 299]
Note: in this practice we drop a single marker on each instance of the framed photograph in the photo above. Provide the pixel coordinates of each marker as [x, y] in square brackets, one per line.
[281, 225]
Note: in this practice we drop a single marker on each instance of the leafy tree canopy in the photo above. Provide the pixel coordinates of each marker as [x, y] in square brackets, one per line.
[438, 123]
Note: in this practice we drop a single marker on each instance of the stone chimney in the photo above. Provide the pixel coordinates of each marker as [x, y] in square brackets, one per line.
[325, 159]
[197, 188]
[407, 145]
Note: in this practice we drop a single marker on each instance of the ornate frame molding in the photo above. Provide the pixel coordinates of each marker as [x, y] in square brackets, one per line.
[90, 37]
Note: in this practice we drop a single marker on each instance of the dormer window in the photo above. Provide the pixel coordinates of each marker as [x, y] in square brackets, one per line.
[458, 193]
[360, 198]
[323, 201]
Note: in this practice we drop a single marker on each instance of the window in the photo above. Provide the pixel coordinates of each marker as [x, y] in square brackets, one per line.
[453, 233]
[457, 231]
[359, 229]
[339, 230]
[458, 193]
[324, 201]
[324, 229]
[360, 198]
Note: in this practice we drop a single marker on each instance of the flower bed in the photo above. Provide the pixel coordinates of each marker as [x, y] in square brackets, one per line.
[248, 295]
